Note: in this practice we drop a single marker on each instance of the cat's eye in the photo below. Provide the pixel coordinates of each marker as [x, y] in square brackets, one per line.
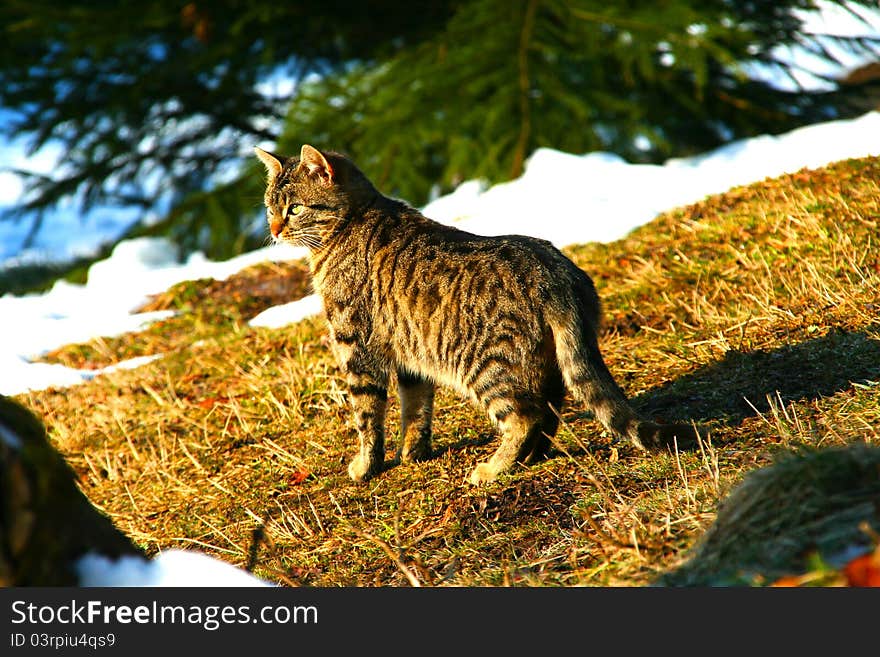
[295, 209]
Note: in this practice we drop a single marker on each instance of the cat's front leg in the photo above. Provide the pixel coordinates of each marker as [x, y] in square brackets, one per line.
[368, 394]
[367, 386]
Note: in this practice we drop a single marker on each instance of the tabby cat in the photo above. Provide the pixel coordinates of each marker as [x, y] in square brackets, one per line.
[509, 322]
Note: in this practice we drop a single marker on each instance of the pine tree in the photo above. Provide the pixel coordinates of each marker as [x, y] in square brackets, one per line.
[647, 80]
[153, 102]
[149, 96]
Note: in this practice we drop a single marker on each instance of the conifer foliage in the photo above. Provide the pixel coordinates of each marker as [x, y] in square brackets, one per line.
[157, 104]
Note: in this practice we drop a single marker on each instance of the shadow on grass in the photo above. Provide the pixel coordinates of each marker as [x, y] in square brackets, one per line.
[737, 387]
[733, 388]
[482, 438]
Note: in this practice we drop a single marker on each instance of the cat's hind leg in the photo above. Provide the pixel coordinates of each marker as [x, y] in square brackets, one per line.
[521, 436]
[522, 401]
[553, 391]
[416, 411]
[540, 442]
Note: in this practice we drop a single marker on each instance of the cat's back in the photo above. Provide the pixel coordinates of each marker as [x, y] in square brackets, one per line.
[425, 269]
[408, 269]
[428, 248]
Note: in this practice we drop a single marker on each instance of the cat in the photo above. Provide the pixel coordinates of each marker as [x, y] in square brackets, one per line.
[509, 322]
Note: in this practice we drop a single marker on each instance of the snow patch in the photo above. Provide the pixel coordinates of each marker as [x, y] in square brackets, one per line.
[288, 313]
[168, 568]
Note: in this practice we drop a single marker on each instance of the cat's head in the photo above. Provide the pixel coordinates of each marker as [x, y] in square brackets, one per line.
[310, 197]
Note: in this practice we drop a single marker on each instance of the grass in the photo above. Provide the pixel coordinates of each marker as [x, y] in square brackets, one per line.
[754, 312]
[808, 507]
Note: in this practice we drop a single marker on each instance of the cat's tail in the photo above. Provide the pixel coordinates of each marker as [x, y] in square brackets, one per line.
[588, 379]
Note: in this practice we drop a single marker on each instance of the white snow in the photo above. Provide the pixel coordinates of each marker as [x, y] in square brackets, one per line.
[599, 197]
[831, 19]
[168, 568]
[35, 324]
[287, 313]
[36, 376]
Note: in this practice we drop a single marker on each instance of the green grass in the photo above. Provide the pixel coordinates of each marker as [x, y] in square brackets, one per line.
[754, 312]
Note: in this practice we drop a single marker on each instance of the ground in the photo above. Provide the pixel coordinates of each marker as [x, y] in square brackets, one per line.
[754, 313]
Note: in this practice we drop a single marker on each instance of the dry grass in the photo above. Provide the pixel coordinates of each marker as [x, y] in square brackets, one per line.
[754, 313]
[830, 498]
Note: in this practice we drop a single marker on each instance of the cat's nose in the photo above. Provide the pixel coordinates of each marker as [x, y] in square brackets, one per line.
[275, 227]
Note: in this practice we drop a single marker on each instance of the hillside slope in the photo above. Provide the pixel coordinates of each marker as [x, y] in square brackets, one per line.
[755, 313]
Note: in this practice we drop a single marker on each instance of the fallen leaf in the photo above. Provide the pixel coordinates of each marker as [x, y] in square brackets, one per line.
[864, 570]
[298, 477]
[211, 402]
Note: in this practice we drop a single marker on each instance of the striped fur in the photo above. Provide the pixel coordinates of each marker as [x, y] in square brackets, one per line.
[509, 322]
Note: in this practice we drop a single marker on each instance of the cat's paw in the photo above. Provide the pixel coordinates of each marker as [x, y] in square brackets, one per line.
[415, 453]
[484, 473]
[362, 468]
[652, 436]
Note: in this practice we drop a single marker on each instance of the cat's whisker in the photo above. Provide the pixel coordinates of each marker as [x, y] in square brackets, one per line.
[308, 240]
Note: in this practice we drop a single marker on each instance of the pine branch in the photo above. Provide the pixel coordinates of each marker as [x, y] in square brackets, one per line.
[522, 140]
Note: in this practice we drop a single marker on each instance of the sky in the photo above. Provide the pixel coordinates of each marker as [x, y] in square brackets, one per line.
[593, 197]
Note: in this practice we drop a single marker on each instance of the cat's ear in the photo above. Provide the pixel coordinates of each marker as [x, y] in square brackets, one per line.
[273, 163]
[316, 164]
